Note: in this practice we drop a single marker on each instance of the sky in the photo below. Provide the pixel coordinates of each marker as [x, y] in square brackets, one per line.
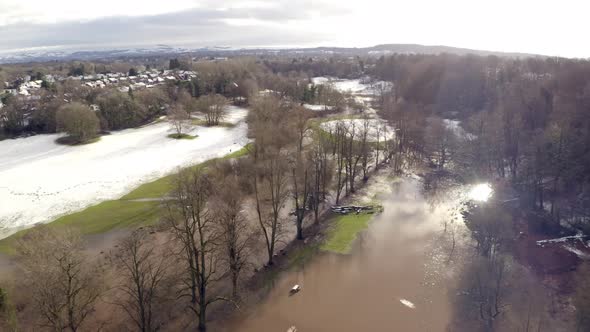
[556, 28]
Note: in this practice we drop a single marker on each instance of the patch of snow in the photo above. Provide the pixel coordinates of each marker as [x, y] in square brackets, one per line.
[455, 127]
[317, 108]
[321, 80]
[378, 129]
[355, 86]
[40, 180]
[407, 303]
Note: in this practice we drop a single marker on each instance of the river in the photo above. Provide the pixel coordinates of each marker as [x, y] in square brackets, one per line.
[397, 277]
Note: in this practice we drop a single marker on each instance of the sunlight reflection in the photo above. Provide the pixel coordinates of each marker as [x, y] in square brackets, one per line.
[481, 192]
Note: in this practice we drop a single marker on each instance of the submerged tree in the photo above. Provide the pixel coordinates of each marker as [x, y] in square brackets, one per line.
[193, 228]
[227, 207]
[141, 272]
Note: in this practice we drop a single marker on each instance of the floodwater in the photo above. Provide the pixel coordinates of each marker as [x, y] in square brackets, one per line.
[396, 278]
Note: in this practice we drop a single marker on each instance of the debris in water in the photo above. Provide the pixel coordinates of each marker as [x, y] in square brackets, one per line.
[292, 329]
[579, 236]
[351, 208]
[407, 303]
[295, 289]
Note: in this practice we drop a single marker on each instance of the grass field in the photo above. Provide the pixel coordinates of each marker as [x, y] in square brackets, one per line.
[124, 212]
[182, 136]
[344, 230]
[203, 123]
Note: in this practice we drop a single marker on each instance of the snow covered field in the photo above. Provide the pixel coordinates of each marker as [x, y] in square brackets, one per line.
[40, 180]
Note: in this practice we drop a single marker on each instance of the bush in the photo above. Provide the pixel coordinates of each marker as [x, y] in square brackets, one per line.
[78, 121]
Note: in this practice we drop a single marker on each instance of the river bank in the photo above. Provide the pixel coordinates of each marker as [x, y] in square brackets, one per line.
[391, 277]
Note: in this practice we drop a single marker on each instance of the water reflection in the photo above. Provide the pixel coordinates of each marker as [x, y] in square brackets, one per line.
[481, 192]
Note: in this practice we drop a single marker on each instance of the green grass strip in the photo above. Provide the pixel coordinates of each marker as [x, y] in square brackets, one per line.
[344, 231]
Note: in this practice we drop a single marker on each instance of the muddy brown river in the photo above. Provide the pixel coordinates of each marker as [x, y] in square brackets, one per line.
[396, 278]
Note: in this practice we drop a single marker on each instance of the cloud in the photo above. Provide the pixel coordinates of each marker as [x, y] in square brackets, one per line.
[243, 25]
[530, 26]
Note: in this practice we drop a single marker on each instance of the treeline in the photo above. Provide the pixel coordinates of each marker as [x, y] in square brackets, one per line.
[333, 66]
[523, 120]
[238, 80]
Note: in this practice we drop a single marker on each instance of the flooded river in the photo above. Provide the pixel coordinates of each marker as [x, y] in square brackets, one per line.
[396, 278]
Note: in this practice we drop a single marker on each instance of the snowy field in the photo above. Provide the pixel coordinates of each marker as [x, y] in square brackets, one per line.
[40, 180]
[378, 129]
[355, 87]
[317, 108]
[455, 127]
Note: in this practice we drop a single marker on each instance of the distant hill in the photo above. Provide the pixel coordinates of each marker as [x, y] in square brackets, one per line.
[164, 50]
[418, 49]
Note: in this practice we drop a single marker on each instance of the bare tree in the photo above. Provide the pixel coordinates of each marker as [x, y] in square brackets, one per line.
[491, 228]
[180, 120]
[271, 192]
[300, 120]
[270, 170]
[364, 145]
[64, 284]
[339, 145]
[213, 107]
[484, 294]
[301, 178]
[141, 274]
[440, 142]
[352, 153]
[235, 235]
[192, 226]
[320, 172]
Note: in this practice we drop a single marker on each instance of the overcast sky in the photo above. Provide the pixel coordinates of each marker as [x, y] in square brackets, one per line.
[531, 26]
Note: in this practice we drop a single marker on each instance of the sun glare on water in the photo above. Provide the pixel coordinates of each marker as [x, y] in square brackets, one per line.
[481, 192]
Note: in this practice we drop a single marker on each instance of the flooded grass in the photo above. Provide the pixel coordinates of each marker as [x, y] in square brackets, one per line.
[303, 255]
[344, 230]
[100, 218]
